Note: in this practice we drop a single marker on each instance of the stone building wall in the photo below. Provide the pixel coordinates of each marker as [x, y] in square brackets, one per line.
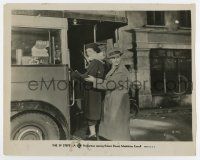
[139, 39]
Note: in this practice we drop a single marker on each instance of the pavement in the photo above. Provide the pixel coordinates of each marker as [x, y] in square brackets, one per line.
[158, 124]
[174, 124]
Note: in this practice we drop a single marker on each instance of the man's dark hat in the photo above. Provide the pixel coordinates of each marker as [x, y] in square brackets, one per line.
[114, 53]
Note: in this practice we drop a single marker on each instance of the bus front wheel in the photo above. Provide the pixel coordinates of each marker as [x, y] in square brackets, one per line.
[34, 126]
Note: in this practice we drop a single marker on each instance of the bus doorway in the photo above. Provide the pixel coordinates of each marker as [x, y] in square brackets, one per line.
[79, 34]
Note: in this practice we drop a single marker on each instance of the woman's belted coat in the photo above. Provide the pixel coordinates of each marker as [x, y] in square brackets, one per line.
[92, 97]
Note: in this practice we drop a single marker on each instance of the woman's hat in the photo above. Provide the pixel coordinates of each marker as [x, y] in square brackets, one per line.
[94, 46]
[114, 53]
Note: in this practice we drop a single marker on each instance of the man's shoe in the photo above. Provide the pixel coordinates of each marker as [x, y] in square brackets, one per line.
[103, 139]
[92, 138]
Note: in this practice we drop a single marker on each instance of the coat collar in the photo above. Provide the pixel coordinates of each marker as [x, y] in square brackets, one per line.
[119, 69]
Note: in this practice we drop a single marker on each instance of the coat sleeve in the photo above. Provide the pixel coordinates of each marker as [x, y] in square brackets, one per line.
[92, 69]
[116, 81]
[75, 75]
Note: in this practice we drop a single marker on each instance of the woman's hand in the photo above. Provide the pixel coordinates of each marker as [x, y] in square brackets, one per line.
[90, 79]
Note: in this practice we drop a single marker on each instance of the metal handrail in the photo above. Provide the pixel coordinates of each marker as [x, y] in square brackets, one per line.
[73, 94]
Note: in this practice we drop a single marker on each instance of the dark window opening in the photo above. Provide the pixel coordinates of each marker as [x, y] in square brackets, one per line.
[155, 18]
[185, 19]
[171, 71]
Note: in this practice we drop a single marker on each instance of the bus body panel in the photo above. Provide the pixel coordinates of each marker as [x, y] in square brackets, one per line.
[49, 84]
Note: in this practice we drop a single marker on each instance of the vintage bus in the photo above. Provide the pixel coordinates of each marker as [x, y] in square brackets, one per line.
[44, 45]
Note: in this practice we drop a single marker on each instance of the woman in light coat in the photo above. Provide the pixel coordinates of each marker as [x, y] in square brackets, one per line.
[114, 124]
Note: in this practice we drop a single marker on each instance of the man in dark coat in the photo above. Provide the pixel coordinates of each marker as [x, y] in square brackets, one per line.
[93, 97]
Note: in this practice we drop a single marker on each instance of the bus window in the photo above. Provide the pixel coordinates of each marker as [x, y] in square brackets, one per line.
[32, 46]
